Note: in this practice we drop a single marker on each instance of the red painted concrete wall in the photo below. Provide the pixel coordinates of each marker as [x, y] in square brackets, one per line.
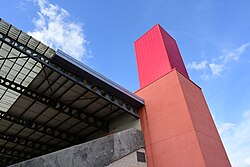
[178, 128]
[157, 53]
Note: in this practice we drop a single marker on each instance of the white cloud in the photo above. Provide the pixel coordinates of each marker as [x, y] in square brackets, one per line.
[234, 54]
[216, 68]
[205, 77]
[54, 27]
[197, 65]
[247, 161]
[236, 139]
[217, 65]
[224, 127]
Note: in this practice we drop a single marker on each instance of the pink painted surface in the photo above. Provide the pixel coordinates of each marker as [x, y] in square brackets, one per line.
[157, 53]
[177, 125]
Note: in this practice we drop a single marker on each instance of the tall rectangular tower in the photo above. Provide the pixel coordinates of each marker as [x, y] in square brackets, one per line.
[157, 48]
[178, 127]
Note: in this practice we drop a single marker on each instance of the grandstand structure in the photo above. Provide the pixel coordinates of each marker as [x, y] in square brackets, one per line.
[56, 110]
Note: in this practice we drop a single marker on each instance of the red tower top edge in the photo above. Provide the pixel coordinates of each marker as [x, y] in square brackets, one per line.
[157, 54]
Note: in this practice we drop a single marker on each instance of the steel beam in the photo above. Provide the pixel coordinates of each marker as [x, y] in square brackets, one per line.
[15, 153]
[80, 81]
[57, 105]
[40, 128]
[26, 142]
[5, 161]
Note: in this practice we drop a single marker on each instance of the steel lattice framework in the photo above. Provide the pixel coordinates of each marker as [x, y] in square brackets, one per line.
[48, 101]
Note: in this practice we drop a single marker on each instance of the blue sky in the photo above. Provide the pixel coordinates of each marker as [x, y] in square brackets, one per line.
[213, 38]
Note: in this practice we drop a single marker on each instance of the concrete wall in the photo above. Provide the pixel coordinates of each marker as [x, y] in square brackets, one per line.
[95, 153]
[177, 125]
[130, 160]
[124, 122]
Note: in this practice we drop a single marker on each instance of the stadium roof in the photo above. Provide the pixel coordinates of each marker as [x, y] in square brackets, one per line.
[49, 101]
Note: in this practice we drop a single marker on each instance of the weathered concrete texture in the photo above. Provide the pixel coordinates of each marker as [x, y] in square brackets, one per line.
[129, 161]
[95, 153]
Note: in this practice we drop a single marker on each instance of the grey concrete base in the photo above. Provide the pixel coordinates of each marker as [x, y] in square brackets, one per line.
[95, 153]
[130, 160]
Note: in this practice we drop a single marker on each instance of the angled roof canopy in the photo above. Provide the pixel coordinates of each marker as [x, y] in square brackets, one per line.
[49, 101]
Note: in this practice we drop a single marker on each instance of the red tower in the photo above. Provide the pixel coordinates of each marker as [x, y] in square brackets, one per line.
[178, 127]
[157, 54]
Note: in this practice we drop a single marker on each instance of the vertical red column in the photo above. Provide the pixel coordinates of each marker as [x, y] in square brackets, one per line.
[157, 53]
[176, 121]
